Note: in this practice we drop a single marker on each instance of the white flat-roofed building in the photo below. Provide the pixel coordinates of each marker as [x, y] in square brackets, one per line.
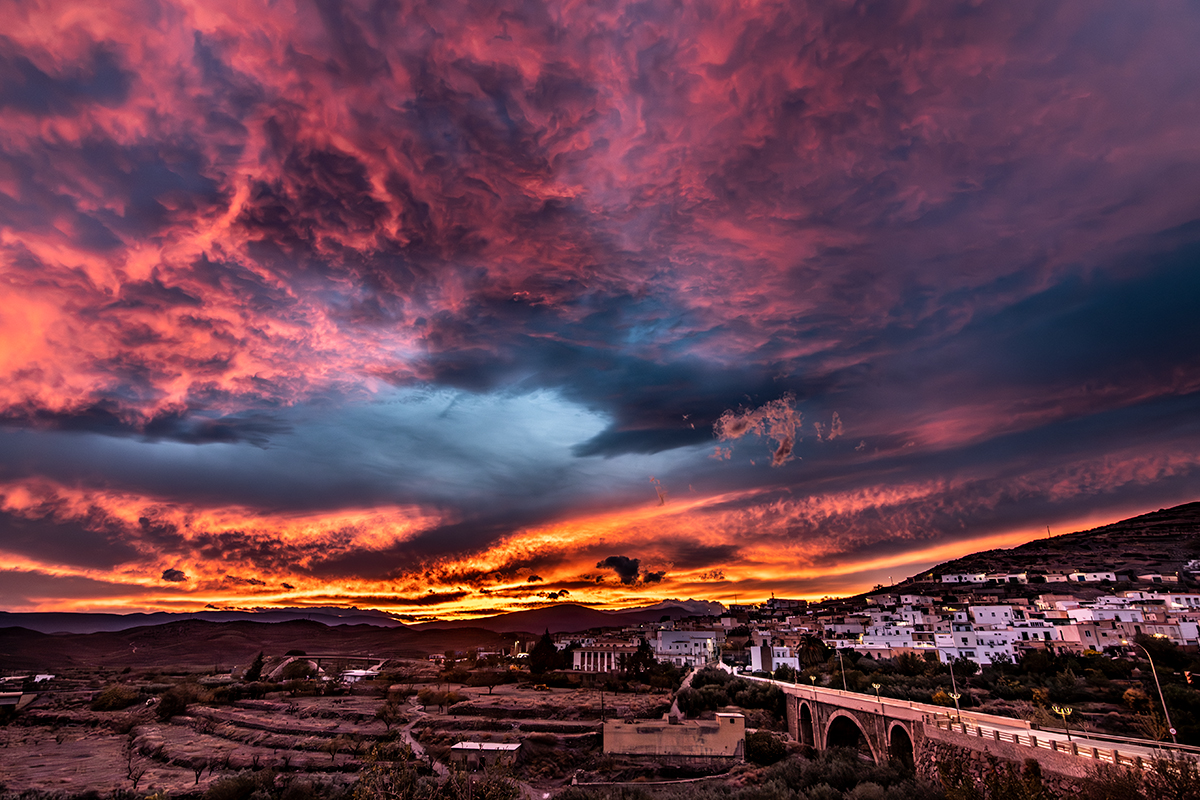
[602, 656]
[769, 657]
[1157, 577]
[1097, 613]
[965, 577]
[1092, 577]
[480, 755]
[994, 615]
[688, 648]
[980, 646]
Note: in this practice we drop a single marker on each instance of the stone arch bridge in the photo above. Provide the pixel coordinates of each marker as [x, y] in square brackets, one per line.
[881, 730]
[918, 734]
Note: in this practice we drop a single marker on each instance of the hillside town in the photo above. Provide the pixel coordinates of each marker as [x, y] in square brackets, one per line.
[984, 618]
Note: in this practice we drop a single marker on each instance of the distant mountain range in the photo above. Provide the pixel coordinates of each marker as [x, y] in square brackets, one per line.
[70, 622]
[202, 644]
[565, 617]
[1162, 541]
[571, 617]
[212, 638]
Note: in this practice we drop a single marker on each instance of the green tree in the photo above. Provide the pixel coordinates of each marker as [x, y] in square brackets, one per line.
[256, 667]
[812, 651]
[389, 714]
[544, 655]
[640, 661]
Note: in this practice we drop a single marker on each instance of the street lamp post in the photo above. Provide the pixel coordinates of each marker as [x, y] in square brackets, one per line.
[845, 688]
[954, 690]
[1064, 712]
[1158, 685]
[878, 699]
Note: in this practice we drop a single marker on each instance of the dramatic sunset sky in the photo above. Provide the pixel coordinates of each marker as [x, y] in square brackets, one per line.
[462, 306]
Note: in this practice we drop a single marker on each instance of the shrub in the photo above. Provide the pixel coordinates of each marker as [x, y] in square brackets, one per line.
[763, 747]
[175, 700]
[1108, 782]
[298, 670]
[114, 697]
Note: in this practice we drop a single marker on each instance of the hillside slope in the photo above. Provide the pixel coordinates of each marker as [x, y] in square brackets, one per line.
[1162, 541]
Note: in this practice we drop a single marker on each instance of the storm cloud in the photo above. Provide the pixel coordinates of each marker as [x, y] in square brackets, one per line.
[413, 300]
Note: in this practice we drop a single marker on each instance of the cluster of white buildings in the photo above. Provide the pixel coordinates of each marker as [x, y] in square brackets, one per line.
[1078, 576]
[973, 622]
[983, 629]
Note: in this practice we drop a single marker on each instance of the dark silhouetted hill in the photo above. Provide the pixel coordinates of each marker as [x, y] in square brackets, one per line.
[1159, 542]
[71, 622]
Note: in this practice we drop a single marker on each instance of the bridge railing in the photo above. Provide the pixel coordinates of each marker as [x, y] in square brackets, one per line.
[1085, 748]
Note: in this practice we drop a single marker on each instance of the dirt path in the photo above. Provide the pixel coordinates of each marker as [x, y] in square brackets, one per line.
[527, 791]
[406, 733]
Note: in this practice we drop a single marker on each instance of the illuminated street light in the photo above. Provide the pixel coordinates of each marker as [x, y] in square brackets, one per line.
[1162, 700]
[1064, 712]
[878, 699]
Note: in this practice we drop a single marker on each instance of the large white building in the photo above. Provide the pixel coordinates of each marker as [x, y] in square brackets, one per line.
[688, 648]
[602, 656]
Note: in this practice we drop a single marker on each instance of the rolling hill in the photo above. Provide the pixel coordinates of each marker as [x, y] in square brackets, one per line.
[199, 643]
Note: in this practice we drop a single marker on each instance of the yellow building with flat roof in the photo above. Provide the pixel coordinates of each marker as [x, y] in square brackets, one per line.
[723, 737]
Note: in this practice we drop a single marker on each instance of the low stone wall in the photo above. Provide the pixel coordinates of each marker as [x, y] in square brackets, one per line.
[975, 763]
[1061, 764]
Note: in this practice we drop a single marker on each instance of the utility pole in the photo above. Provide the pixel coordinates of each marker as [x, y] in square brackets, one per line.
[1154, 672]
[954, 690]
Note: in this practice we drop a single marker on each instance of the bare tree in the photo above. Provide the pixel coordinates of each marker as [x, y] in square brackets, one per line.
[198, 767]
[334, 746]
[389, 714]
[135, 765]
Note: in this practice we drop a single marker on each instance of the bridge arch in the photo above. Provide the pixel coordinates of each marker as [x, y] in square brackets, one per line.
[806, 726]
[844, 730]
[900, 746]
